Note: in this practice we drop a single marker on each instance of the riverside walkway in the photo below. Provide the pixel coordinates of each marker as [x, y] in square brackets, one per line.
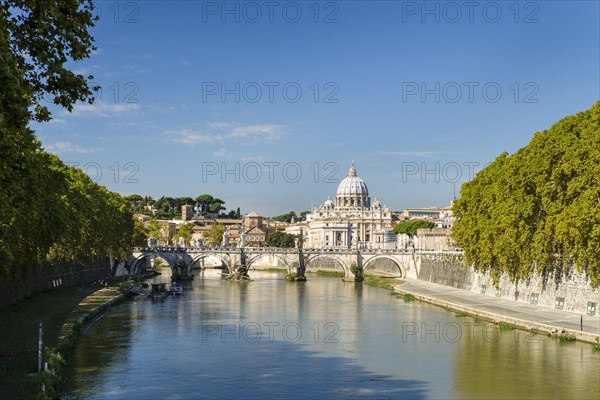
[522, 315]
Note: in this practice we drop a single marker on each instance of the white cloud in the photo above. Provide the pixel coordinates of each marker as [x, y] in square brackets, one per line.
[221, 132]
[103, 109]
[222, 152]
[68, 147]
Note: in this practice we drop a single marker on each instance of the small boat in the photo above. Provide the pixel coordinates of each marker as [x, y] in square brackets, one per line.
[177, 289]
[159, 291]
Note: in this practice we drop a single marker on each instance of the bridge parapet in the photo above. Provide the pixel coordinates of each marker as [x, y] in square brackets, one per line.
[181, 259]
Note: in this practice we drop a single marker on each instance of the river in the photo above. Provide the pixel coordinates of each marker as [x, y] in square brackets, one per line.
[323, 338]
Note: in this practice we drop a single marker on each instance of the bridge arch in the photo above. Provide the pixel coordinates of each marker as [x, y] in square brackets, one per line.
[136, 261]
[394, 268]
[252, 259]
[199, 257]
[311, 261]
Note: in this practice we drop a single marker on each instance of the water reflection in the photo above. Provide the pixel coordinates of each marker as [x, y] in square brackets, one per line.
[324, 338]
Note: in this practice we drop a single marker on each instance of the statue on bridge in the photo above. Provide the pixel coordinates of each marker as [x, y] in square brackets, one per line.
[181, 241]
[225, 241]
[242, 242]
[151, 242]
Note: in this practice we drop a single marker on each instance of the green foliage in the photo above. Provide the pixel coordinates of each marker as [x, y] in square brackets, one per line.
[134, 198]
[407, 297]
[505, 326]
[158, 231]
[410, 227]
[280, 239]
[596, 347]
[48, 211]
[333, 274]
[380, 282]
[286, 217]
[209, 203]
[52, 212]
[566, 338]
[185, 231]
[41, 38]
[291, 277]
[140, 234]
[354, 269]
[215, 234]
[371, 281]
[538, 209]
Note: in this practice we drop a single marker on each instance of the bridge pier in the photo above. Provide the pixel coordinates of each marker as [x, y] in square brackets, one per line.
[301, 270]
[239, 272]
[355, 273]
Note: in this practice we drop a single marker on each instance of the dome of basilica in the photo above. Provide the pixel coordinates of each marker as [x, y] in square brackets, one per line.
[352, 185]
[352, 192]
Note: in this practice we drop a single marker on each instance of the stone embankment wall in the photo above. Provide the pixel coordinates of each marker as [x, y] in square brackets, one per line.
[37, 279]
[565, 289]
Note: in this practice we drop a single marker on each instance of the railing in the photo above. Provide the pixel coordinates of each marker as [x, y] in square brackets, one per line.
[280, 250]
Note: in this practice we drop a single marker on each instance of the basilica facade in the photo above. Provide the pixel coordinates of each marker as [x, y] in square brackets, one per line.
[351, 220]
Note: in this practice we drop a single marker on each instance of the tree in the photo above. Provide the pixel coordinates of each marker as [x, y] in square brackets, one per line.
[156, 230]
[43, 36]
[185, 231]
[280, 239]
[217, 206]
[134, 198]
[204, 201]
[140, 234]
[49, 212]
[537, 210]
[286, 217]
[410, 227]
[215, 234]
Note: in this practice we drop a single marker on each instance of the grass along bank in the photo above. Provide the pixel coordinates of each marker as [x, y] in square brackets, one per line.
[332, 274]
[63, 313]
[382, 282]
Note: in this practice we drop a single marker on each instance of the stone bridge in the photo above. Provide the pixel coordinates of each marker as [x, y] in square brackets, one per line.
[353, 262]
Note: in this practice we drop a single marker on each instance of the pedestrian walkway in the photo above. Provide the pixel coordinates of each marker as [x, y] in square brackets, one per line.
[523, 315]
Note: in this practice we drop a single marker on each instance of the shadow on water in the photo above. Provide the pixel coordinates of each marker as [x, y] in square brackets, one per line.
[267, 370]
[138, 351]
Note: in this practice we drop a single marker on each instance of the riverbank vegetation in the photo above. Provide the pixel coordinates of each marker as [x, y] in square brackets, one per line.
[48, 211]
[19, 325]
[332, 274]
[538, 210]
[382, 282]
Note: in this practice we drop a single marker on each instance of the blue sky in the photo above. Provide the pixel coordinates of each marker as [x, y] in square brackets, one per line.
[265, 104]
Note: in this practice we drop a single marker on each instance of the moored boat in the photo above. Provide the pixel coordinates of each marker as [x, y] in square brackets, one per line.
[159, 291]
[177, 289]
